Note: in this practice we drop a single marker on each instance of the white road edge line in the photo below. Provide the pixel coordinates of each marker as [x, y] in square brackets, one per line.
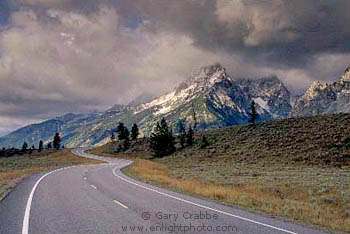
[93, 186]
[25, 226]
[201, 206]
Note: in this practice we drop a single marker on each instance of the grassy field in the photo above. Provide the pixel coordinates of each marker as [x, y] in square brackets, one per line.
[295, 168]
[14, 169]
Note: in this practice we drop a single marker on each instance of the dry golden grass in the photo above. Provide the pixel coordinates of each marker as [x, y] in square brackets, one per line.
[296, 168]
[14, 169]
[285, 200]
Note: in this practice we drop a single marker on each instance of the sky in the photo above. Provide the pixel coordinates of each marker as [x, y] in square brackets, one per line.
[59, 56]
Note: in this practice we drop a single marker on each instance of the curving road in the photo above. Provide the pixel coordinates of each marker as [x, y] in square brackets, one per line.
[99, 199]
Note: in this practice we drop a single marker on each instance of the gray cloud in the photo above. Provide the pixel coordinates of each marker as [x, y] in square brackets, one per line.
[60, 56]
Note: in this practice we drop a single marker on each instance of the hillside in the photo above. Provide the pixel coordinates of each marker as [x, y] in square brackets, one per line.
[297, 168]
[319, 141]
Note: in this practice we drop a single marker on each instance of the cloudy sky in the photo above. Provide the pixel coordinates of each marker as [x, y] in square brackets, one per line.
[59, 56]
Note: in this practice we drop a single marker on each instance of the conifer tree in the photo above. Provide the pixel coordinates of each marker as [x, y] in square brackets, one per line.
[123, 132]
[182, 132]
[189, 136]
[253, 114]
[162, 141]
[57, 141]
[204, 142]
[41, 146]
[134, 132]
[126, 144]
[194, 116]
[24, 146]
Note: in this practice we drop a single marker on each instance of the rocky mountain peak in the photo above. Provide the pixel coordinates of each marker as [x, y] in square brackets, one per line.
[347, 70]
[346, 76]
[322, 98]
[211, 69]
[206, 78]
[314, 90]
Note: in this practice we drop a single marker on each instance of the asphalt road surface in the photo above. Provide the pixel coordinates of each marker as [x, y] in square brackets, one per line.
[99, 199]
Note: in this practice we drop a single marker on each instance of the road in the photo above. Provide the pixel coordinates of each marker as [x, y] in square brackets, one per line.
[100, 199]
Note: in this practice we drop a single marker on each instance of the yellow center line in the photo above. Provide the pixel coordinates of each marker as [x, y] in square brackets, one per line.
[121, 204]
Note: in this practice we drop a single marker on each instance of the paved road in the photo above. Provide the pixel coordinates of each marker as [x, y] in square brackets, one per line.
[99, 199]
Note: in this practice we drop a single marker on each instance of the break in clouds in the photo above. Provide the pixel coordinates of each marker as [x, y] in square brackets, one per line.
[59, 56]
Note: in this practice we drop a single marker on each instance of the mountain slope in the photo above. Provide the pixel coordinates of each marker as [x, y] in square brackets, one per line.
[216, 99]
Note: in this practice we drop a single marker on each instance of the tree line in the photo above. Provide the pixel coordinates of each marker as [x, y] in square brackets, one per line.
[55, 144]
[162, 139]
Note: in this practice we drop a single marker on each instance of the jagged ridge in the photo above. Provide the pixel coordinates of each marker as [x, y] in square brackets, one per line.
[217, 99]
[324, 98]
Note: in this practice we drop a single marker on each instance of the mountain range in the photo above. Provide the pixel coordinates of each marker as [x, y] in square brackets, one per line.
[209, 99]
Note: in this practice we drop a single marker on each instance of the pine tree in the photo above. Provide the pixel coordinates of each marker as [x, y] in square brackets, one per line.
[253, 114]
[134, 132]
[57, 141]
[123, 132]
[204, 142]
[162, 140]
[41, 146]
[126, 134]
[189, 136]
[126, 144]
[182, 132]
[24, 146]
[49, 145]
[194, 116]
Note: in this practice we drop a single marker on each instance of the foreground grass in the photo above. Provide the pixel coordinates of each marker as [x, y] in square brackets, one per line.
[315, 196]
[14, 169]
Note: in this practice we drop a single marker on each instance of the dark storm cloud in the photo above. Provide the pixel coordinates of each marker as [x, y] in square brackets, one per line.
[278, 31]
[59, 56]
[287, 32]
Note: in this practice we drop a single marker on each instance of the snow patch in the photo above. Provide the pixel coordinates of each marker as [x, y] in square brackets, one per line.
[263, 104]
[163, 110]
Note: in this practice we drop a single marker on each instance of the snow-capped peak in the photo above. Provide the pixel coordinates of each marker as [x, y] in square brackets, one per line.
[206, 78]
[196, 85]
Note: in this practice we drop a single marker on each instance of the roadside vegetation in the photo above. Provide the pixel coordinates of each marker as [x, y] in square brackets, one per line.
[16, 164]
[296, 168]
